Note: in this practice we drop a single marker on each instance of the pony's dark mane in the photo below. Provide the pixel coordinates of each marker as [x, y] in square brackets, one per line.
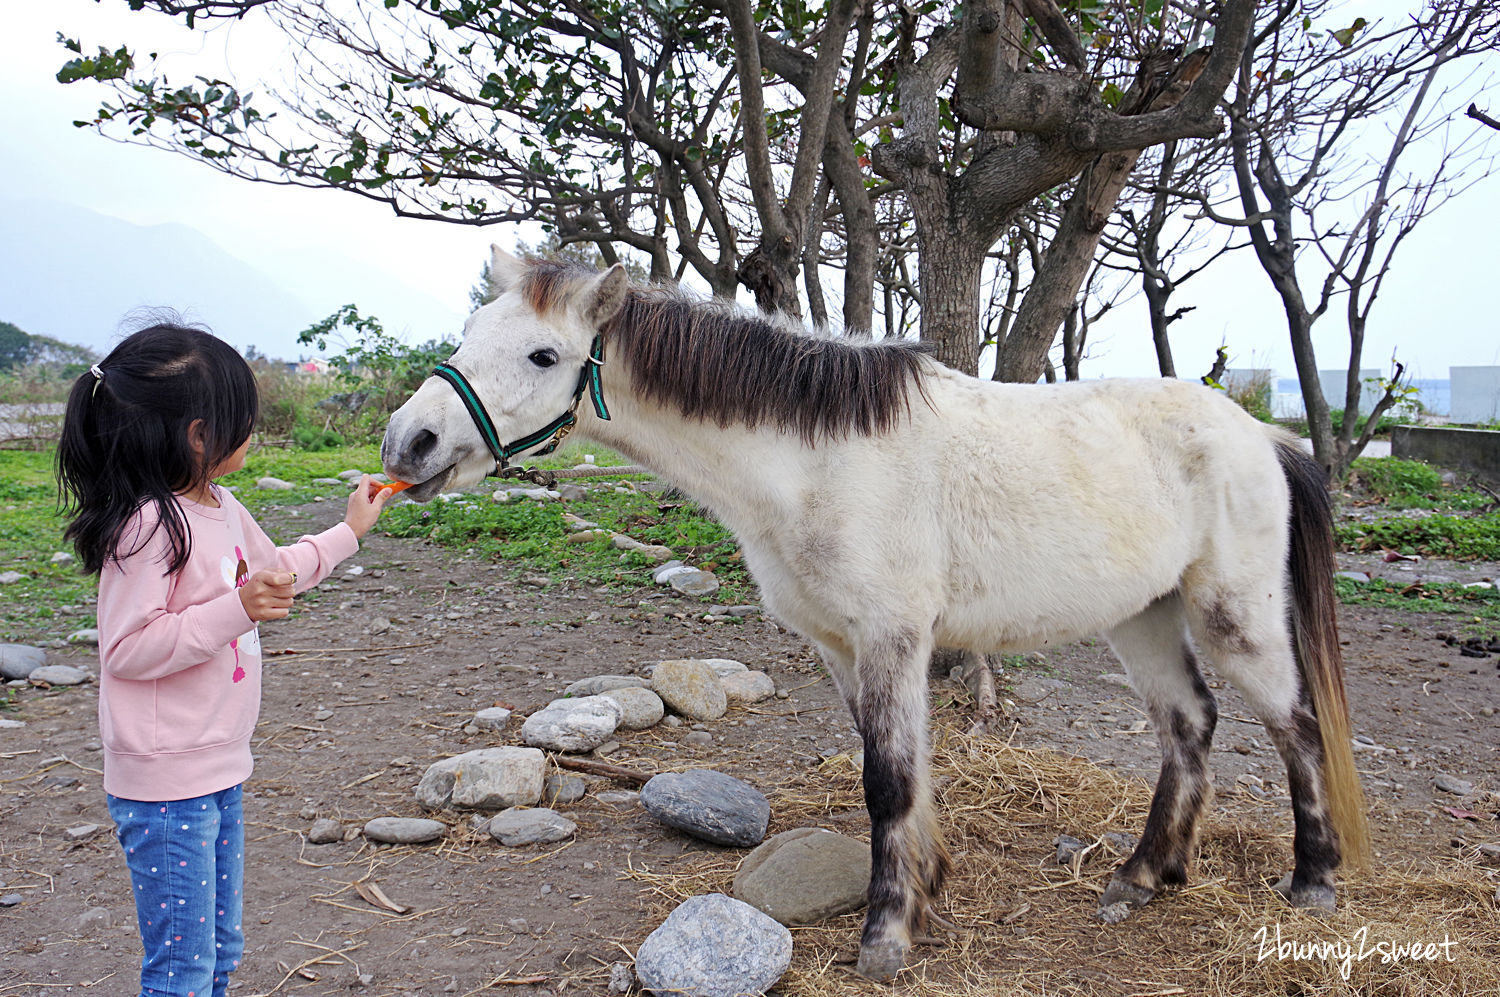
[716, 362]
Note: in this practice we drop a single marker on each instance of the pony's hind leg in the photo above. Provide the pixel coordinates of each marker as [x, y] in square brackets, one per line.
[1251, 646]
[907, 861]
[1154, 648]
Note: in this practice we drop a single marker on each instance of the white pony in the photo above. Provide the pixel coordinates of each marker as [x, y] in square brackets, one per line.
[887, 505]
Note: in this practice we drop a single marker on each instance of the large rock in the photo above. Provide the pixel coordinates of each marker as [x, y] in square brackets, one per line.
[522, 826]
[741, 688]
[805, 876]
[714, 946]
[708, 805]
[573, 724]
[487, 779]
[603, 683]
[691, 688]
[641, 708]
[18, 661]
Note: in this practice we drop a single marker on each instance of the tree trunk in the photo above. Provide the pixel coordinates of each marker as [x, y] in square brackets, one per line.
[949, 270]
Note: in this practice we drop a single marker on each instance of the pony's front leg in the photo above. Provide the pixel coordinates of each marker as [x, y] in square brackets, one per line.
[908, 860]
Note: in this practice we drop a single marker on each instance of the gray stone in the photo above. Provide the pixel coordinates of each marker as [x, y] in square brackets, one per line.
[724, 667]
[1353, 576]
[621, 978]
[539, 825]
[326, 481]
[1068, 848]
[6, 724]
[805, 876]
[691, 688]
[708, 805]
[662, 574]
[10, 577]
[619, 797]
[350, 475]
[11, 900]
[604, 683]
[493, 718]
[325, 831]
[81, 833]
[18, 661]
[93, 917]
[694, 583]
[60, 675]
[404, 830]
[741, 688]
[573, 724]
[1114, 913]
[486, 779]
[63, 557]
[742, 611]
[714, 946]
[89, 636]
[640, 708]
[274, 484]
[699, 738]
[1449, 784]
[559, 788]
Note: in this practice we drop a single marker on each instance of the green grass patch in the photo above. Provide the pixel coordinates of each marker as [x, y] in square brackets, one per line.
[30, 533]
[1411, 484]
[1479, 605]
[532, 538]
[1458, 538]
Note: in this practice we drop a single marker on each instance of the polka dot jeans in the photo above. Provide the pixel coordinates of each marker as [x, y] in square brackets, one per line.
[187, 867]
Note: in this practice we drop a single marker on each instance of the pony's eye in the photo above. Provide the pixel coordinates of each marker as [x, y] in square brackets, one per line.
[543, 358]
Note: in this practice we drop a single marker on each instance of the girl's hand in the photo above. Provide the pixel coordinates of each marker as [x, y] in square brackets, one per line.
[365, 504]
[268, 595]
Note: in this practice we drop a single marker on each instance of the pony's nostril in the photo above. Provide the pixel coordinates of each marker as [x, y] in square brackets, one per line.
[421, 445]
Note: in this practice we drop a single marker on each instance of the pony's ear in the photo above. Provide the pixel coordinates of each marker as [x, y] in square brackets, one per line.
[603, 296]
[506, 271]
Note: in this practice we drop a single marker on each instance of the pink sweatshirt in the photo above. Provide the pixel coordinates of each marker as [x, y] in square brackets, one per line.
[179, 683]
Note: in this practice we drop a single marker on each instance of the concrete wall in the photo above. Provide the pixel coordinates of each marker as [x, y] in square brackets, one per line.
[1333, 382]
[1476, 395]
[1476, 450]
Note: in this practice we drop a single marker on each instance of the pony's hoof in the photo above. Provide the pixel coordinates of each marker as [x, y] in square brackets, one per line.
[1318, 897]
[880, 961]
[1120, 891]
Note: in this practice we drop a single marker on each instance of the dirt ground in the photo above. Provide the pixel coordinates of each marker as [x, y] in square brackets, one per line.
[352, 719]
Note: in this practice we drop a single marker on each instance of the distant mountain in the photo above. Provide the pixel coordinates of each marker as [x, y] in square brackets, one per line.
[84, 277]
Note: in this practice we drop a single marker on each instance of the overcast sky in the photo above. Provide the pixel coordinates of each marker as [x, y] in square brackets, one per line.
[1436, 309]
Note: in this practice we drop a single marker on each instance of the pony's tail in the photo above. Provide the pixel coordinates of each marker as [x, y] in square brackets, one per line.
[1315, 632]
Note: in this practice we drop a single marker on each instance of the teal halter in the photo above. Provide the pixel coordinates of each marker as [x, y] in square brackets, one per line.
[553, 433]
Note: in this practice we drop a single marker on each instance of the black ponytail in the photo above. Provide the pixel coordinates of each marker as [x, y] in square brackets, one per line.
[125, 437]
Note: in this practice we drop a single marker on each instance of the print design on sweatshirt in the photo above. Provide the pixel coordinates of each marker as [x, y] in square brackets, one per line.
[237, 573]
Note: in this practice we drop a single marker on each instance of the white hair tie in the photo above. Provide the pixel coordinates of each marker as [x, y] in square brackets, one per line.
[98, 377]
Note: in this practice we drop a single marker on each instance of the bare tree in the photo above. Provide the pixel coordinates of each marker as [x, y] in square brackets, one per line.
[1299, 101]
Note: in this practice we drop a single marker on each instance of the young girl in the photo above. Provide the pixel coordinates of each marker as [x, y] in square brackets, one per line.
[184, 577]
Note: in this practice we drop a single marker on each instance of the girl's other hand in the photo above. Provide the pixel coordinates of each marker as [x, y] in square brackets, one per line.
[268, 595]
[365, 504]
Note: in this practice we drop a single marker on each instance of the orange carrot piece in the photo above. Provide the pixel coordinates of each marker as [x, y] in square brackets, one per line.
[397, 486]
